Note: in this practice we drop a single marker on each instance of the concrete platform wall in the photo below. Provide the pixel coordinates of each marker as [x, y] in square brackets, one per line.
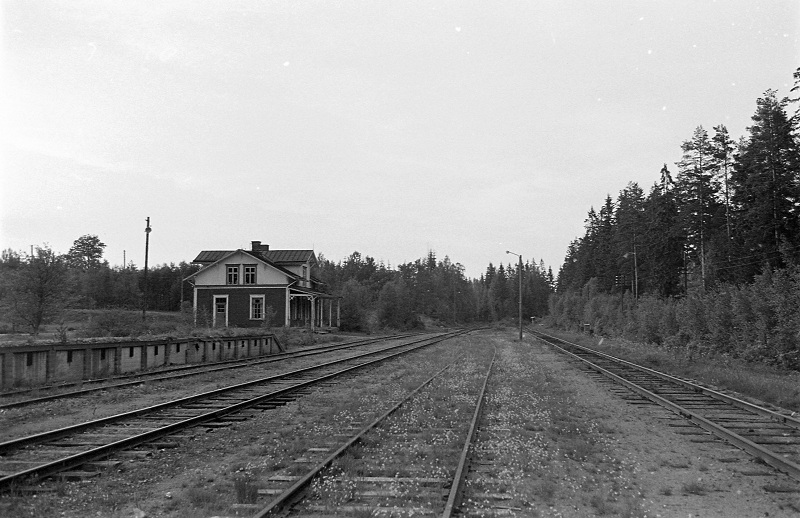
[34, 365]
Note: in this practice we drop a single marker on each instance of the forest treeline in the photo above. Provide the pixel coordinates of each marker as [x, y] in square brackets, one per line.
[375, 296]
[37, 289]
[708, 257]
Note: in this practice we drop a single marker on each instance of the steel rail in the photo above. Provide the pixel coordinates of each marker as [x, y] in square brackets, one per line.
[291, 493]
[744, 405]
[773, 459]
[61, 432]
[453, 500]
[106, 450]
[180, 372]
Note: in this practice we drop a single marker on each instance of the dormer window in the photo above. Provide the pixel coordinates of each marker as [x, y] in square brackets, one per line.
[305, 272]
[233, 274]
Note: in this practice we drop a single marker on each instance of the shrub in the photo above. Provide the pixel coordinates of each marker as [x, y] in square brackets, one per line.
[114, 323]
[246, 489]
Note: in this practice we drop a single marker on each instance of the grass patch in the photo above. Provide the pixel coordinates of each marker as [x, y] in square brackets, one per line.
[696, 487]
[204, 499]
[246, 487]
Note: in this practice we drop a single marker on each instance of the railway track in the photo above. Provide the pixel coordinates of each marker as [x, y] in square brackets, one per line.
[412, 459]
[55, 392]
[33, 457]
[770, 436]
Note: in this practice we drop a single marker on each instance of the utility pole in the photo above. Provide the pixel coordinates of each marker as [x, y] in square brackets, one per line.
[519, 274]
[181, 285]
[146, 252]
[635, 271]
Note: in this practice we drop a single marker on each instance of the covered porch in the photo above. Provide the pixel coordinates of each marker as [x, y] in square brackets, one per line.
[308, 308]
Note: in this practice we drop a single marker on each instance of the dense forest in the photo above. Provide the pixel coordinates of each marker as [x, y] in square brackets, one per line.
[37, 289]
[374, 296]
[709, 257]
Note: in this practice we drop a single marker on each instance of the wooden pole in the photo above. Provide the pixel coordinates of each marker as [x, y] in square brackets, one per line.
[146, 252]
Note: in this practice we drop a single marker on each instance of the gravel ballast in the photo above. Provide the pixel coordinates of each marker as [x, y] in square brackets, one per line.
[553, 442]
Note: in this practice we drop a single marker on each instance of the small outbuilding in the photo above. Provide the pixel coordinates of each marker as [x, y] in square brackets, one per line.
[251, 288]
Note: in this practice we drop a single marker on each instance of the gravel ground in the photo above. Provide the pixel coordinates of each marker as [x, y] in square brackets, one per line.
[554, 439]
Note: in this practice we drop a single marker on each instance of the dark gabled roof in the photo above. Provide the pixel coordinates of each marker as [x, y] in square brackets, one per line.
[289, 256]
[211, 257]
[277, 257]
[259, 255]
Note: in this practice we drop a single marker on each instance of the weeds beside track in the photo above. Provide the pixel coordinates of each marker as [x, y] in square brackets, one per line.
[770, 436]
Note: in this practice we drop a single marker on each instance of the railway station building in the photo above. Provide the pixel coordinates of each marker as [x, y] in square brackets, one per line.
[250, 288]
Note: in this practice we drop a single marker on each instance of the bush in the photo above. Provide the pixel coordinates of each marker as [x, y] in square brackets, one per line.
[114, 323]
[757, 322]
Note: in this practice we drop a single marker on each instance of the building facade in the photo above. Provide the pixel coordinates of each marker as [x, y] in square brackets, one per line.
[261, 287]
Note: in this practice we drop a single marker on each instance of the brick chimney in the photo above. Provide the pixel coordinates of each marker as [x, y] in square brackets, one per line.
[258, 247]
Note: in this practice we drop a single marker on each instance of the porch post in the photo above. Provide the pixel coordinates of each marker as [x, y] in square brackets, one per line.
[313, 314]
[287, 316]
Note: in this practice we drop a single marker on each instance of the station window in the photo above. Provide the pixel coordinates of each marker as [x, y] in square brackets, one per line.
[102, 354]
[177, 348]
[130, 352]
[155, 350]
[249, 274]
[69, 356]
[256, 307]
[29, 360]
[233, 274]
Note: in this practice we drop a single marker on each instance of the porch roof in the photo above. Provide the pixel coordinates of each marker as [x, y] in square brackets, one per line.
[305, 292]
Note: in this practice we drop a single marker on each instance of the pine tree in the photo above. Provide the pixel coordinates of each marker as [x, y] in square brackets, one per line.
[630, 227]
[697, 195]
[766, 191]
[722, 154]
[662, 243]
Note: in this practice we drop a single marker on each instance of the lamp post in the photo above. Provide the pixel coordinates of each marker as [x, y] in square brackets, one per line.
[146, 251]
[519, 274]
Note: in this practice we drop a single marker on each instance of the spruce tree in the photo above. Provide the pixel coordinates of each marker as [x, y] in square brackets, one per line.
[766, 191]
[698, 193]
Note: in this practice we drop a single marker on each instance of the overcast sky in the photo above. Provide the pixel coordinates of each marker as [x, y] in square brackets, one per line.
[390, 128]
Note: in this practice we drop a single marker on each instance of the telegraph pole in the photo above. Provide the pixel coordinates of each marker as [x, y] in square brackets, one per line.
[519, 274]
[146, 252]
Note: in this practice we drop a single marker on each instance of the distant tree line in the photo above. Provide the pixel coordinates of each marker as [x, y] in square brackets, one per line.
[719, 232]
[37, 289]
[376, 296]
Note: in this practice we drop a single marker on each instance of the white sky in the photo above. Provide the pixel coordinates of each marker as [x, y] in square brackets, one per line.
[391, 128]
